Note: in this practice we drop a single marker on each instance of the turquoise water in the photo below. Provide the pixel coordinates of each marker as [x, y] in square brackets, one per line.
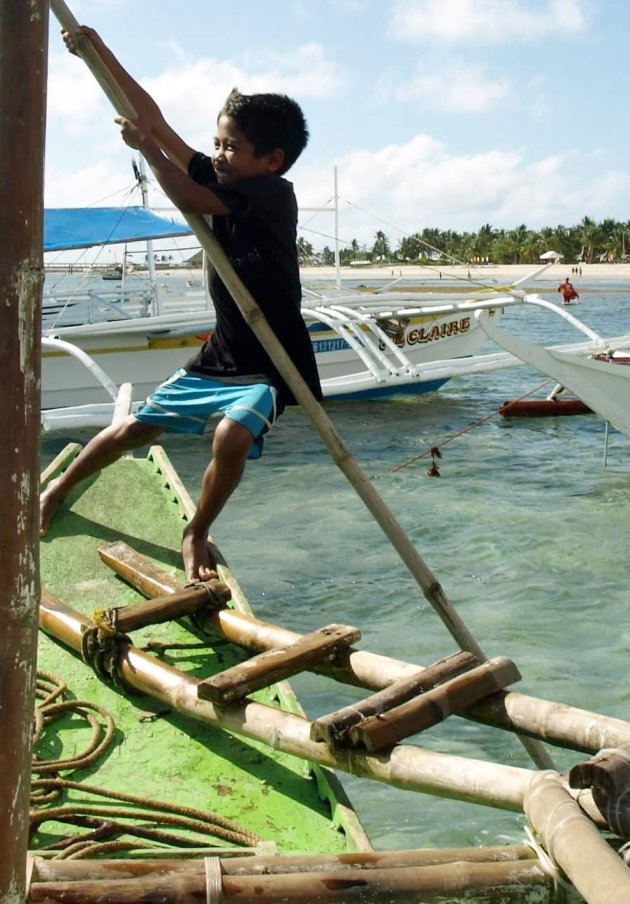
[526, 529]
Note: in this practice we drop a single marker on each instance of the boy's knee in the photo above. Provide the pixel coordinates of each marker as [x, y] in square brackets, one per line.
[231, 438]
[131, 430]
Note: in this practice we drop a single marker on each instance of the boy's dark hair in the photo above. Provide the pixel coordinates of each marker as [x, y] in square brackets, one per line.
[270, 121]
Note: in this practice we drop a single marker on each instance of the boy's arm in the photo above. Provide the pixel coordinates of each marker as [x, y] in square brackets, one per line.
[184, 192]
[145, 107]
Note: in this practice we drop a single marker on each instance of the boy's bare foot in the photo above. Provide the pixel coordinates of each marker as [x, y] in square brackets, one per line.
[196, 556]
[49, 502]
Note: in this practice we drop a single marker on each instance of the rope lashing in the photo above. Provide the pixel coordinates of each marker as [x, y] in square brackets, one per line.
[102, 647]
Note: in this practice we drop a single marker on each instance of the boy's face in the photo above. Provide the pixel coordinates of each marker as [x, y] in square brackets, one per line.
[234, 158]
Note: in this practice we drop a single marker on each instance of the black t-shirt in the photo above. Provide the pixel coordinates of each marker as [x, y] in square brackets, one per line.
[258, 236]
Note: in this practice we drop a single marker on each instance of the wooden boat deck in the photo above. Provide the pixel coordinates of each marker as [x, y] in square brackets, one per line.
[156, 752]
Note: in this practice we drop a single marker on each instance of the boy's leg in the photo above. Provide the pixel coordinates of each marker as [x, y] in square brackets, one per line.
[103, 449]
[230, 446]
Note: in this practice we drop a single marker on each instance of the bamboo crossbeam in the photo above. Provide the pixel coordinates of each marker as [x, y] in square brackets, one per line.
[410, 768]
[557, 723]
[341, 455]
[272, 666]
[334, 727]
[454, 696]
[572, 841]
[166, 608]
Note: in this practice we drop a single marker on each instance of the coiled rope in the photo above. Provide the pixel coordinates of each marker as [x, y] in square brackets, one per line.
[106, 829]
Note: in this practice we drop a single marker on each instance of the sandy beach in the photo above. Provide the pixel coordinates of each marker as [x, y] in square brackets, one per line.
[499, 274]
[502, 273]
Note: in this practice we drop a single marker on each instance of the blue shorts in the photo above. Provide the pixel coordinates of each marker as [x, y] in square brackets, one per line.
[186, 404]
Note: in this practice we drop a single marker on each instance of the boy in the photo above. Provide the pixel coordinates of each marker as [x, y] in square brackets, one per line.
[254, 218]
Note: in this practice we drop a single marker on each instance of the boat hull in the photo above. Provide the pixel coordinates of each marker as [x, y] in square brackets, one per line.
[144, 353]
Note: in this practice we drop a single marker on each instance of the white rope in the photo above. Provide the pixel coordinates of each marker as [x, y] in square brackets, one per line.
[214, 880]
[562, 888]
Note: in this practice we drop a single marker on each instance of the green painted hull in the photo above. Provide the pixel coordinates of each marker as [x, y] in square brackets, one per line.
[158, 753]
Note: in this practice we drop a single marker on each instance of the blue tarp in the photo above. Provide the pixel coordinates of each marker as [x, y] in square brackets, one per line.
[84, 227]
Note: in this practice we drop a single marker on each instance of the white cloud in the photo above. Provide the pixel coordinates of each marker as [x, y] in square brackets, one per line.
[192, 92]
[73, 93]
[305, 71]
[191, 95]
[484, 21]
[403, 188]
[105, 183]
[456, 89]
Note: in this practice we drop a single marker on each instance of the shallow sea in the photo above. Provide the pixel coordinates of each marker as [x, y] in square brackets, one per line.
[527, 529]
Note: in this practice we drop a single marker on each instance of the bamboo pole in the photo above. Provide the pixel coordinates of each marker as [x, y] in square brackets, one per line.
[557, 723]
[341, 455]
[79, 870]
[562, 725]
[480, 882]
[23, 50]
[572, 841]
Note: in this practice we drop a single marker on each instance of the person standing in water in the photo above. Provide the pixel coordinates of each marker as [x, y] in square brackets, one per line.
[567, 291]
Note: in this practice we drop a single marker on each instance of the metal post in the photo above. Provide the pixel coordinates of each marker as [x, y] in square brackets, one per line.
[337, 260]
[155, 308]
[23, 60]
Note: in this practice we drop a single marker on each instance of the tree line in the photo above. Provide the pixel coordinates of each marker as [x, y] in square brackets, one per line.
[586, 242]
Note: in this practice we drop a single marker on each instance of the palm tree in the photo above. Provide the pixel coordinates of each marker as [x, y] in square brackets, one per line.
[381, 248]
[588, 235]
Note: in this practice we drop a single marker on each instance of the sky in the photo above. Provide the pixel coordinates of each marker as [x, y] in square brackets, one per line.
[447, 114]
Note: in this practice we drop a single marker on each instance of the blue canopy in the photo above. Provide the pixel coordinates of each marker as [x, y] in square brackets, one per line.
[84, 227]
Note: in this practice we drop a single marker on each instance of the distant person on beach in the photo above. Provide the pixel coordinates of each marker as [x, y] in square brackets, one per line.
[254, 218]
[568, 291]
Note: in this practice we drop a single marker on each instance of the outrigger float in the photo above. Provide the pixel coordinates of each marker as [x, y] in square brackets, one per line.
[601, 381]
[208, 689]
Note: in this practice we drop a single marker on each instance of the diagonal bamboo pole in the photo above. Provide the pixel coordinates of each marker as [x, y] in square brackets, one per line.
[23, 51]
[339, 452]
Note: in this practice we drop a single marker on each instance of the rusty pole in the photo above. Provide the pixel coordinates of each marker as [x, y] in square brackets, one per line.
[23, 59]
